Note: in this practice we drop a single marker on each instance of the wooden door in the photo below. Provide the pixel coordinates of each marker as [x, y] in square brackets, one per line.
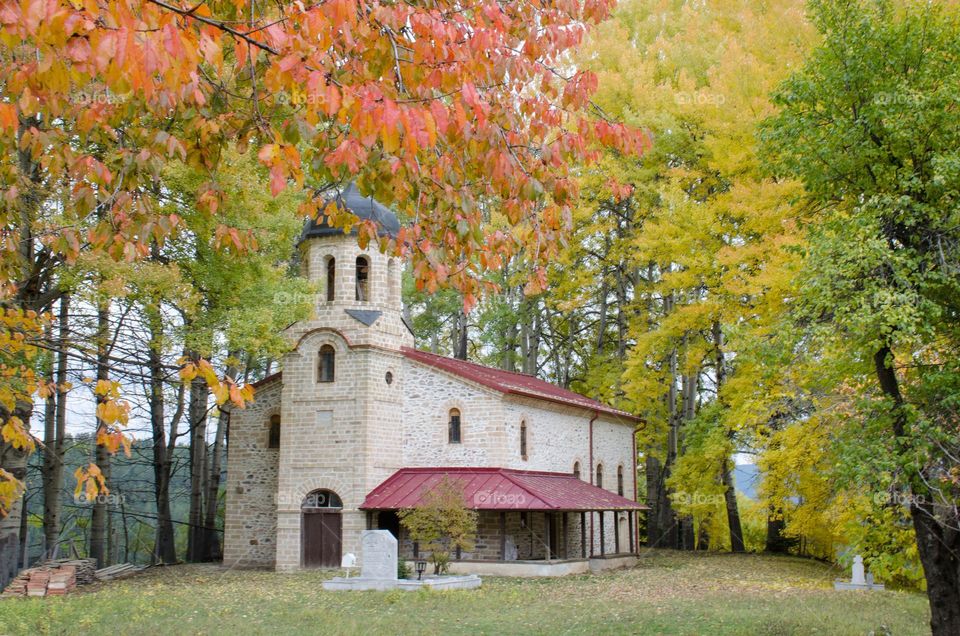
[321, 537]
[554, 535]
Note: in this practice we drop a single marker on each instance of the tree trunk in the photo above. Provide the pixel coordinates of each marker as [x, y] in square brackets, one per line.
[531, 332]
[733, 511]
[54, 432]
[14, 461]
[165, 550]
[938, 544]
[197, 414]
[98, 520]
[213, 480]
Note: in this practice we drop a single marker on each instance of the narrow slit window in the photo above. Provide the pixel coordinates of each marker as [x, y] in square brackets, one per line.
[453, 429]
[620, 480]
[576, 470]
[325, 364]
[363, 278]
[523, 440]
[331, 277]
[273, 436]
[599, 476]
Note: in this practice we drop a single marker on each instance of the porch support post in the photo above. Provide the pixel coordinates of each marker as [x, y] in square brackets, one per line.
[583, 535]
[633, 549]
[566, 548]
[503, 536]
[546, 525]
[616, 532]
[603, 546]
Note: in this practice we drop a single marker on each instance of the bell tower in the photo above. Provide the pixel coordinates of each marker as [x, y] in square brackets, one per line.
[360, 289]
[342, 383]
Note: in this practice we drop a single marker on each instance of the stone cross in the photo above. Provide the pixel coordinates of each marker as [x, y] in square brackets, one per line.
[858, 577]
[379, 555]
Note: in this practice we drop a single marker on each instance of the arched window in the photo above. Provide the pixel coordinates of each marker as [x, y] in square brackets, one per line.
[599, 483]
[331, 277]
[453, 429]
[576, 469]
[273, 435]
[363, 276]
[523, 440]
[325, 364]
[321, 499]
[620, 480]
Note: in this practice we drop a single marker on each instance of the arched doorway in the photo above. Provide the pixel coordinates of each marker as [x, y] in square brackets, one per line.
[321, 529]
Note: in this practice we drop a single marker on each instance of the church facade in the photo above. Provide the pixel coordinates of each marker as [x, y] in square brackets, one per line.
[359, 424]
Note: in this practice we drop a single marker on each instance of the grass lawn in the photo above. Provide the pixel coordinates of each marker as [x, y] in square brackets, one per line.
[668, 593]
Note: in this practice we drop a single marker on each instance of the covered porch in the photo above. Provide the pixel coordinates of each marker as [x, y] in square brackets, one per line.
[529, 523]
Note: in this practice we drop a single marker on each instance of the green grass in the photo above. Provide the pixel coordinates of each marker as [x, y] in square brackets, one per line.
[668, 593]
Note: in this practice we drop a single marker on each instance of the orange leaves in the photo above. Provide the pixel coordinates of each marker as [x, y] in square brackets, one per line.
[284, 162]
[8, 117]
[223, 390]
[231, 239]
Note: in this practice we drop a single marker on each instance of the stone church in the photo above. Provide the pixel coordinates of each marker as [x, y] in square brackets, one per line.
[360, 424]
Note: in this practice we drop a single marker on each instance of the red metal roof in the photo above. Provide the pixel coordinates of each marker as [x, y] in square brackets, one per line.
[497, 489]
[512, 383]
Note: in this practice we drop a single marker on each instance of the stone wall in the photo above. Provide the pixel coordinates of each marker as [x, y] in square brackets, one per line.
[250, 526]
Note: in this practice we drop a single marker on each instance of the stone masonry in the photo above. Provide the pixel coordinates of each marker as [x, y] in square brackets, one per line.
[349, 435]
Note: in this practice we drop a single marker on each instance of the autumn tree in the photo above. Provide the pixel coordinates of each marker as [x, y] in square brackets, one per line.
[436, 109]
[687, 264]
[441, 523]
[869, 125]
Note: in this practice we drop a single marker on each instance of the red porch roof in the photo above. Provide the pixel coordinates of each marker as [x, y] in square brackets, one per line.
[512, 383]
[497, 489]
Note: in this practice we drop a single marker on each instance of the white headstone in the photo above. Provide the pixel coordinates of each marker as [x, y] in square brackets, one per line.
[858, 577]
[379, 555]
[509, 549]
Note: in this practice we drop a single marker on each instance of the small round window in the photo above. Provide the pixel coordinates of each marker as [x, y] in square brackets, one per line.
[389, 377]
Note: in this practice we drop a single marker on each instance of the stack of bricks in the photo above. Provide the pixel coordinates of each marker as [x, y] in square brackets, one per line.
[18, 586]
[43, 581]
[62, 581]
[37, 585]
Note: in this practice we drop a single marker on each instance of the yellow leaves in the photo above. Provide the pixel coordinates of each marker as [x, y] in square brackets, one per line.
[11, 489]
[17, 435]
[107, 388]
[113, 412]
[90, 482]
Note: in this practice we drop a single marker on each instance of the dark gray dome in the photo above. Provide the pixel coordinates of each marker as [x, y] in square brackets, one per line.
[365, 208]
